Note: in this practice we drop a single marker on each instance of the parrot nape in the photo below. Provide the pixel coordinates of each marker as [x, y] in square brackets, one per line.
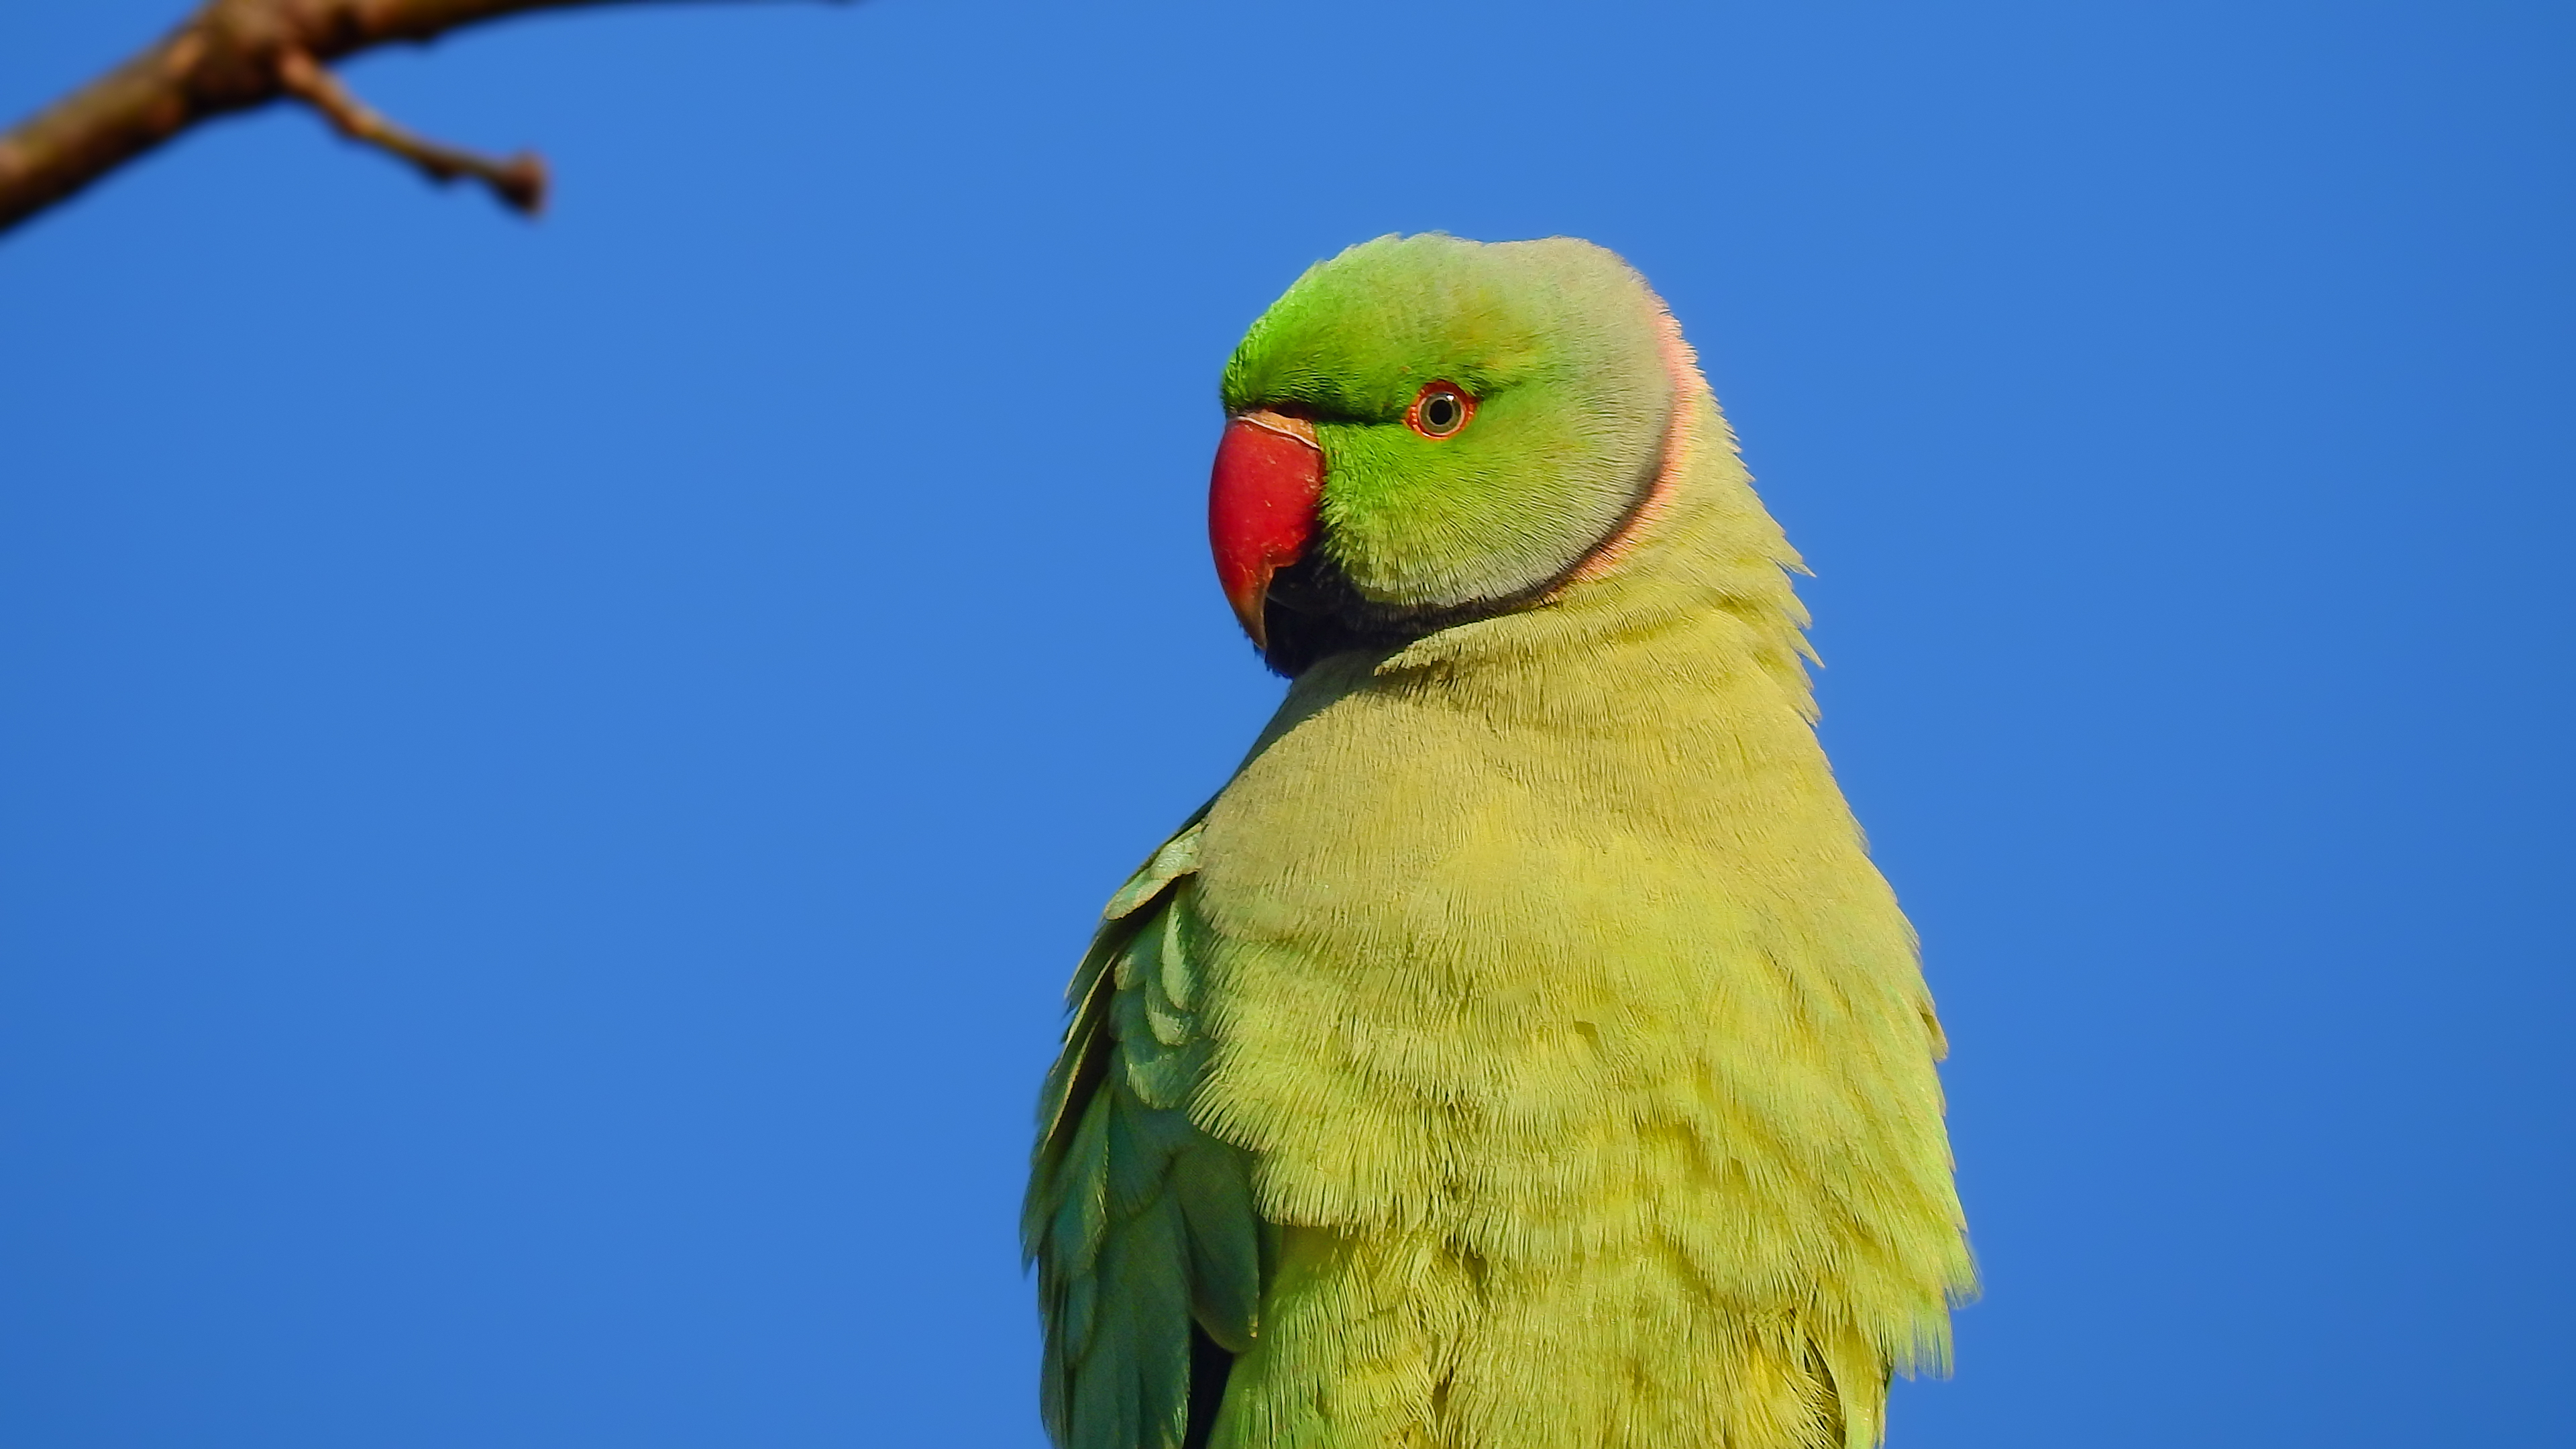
[1520, 1051]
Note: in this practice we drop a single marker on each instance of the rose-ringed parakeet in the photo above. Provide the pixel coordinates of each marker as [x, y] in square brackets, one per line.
[1520, 1051]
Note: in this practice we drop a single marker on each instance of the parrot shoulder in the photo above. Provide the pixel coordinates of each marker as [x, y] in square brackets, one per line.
[1148, 1248]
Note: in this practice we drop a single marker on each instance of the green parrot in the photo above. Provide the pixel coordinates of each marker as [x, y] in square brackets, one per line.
[1520, 1051]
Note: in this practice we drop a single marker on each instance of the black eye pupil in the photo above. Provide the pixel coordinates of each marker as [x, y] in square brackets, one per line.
[1440, 412]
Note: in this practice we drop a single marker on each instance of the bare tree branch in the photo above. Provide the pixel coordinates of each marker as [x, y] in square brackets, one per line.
[233, 55]
[520, 181]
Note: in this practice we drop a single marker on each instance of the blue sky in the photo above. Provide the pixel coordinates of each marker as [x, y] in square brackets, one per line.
[550, 776]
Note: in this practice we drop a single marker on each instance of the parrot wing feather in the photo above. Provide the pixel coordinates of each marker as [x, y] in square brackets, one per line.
[1142, 1226]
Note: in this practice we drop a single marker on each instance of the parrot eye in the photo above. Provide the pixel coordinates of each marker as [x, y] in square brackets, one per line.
[1439, 410]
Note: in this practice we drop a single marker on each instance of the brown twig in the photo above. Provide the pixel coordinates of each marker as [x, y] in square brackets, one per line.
[233, 55]
[520, 181]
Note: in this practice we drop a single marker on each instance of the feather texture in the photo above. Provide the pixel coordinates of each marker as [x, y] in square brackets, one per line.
[1141, 1224]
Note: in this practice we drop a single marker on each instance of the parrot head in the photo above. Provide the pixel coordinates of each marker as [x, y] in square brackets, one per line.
[1426, 431]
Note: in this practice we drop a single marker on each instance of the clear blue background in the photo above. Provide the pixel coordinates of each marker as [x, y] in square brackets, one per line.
[550, 776]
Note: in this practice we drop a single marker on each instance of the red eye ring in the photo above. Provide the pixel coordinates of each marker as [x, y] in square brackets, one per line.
[1441, 410]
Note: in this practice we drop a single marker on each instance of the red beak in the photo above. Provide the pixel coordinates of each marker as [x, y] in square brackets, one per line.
[1261, 507]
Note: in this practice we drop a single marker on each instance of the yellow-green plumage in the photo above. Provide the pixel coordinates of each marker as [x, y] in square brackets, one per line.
[1527, 1020]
